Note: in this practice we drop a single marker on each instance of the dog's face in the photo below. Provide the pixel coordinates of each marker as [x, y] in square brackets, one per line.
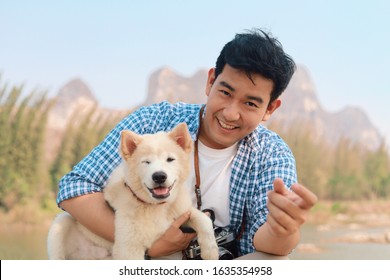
[156, 164]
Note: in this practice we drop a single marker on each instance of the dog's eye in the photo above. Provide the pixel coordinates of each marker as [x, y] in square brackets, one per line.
[170, 159]
[146, 162]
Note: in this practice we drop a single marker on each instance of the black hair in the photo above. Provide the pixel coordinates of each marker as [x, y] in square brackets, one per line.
[257, 52]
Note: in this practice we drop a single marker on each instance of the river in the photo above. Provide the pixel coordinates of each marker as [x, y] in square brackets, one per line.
[340, 244]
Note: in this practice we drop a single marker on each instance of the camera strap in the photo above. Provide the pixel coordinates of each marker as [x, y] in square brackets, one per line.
[198, 192]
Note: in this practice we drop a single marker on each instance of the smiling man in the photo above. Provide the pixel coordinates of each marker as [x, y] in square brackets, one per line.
[242, 171]
[236, 105]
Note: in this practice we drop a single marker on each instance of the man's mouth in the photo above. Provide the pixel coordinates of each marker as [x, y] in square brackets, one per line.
[225, 125]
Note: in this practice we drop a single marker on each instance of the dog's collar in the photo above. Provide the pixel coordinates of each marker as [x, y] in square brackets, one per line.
[139, 199]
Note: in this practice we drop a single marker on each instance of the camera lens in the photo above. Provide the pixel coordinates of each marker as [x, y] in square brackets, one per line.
[224, 254]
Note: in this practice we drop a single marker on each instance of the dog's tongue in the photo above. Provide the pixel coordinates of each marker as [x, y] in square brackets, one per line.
[161, 191]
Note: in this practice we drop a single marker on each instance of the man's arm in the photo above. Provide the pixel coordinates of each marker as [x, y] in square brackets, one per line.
[287, 212]
[92, 211]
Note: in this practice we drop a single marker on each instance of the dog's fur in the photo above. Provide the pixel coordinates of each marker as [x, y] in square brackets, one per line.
[156, 168]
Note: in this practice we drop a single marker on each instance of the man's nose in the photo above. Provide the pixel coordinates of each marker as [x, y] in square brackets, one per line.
[231, 112]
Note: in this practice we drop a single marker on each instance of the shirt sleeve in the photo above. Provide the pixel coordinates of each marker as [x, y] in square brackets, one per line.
[279, 163]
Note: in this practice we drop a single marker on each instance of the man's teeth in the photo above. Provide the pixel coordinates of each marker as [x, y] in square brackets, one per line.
[224, 125]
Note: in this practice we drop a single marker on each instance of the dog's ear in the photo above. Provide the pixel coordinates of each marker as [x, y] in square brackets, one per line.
[129, 142]
[182, 137]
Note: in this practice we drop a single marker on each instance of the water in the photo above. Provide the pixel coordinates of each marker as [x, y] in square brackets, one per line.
[329, 248]
[30, 244]
[22, 244]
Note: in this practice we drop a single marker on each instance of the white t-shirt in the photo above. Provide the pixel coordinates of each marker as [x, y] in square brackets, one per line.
[215, 171]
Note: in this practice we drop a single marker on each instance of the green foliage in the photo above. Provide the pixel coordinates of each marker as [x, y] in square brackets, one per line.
[24, 171]
[377, 168]
[338, 208]
[22, 122]
[348, 171]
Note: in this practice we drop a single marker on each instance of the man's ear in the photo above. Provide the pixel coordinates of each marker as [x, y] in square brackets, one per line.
[182, 137]
[210, 80]
[271, 109]
[129, 142]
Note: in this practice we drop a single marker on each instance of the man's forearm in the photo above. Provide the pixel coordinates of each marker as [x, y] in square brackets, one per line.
[266, 242]
[93, 212]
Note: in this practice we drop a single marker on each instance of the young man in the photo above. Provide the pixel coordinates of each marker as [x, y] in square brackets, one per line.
[245, 169]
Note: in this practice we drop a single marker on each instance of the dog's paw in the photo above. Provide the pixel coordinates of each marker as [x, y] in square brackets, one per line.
[209, 252]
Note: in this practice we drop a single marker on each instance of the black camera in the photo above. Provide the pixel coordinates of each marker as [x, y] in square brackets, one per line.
[225, 241]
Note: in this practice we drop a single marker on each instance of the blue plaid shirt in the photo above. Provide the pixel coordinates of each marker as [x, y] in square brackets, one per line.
[262, 156]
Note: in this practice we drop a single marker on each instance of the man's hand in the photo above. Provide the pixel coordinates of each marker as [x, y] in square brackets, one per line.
[287, 211]
[173, 240]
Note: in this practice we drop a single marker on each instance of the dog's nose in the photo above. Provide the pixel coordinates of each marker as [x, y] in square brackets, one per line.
[159, 177]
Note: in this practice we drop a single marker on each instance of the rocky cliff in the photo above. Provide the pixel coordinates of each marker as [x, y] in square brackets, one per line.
[165, 84]
[72, 103]
[300, 105]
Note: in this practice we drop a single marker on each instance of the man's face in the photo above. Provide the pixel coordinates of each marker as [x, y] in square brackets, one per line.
[236, 105]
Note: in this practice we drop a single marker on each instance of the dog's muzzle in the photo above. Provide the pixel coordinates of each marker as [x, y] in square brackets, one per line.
[160, 190]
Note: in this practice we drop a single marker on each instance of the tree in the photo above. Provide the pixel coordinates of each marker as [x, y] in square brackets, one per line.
[377, 169]
[22, 121]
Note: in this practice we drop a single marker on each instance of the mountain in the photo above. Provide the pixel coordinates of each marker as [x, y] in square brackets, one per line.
[73, 102]
[300, 106]
[75, 96]
[165, 84]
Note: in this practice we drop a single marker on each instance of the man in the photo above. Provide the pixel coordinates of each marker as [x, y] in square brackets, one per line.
[245, 169]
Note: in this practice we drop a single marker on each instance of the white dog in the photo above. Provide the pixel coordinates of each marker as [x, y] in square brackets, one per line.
[147, 192]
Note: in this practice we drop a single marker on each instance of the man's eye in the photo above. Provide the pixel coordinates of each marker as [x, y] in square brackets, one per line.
[170, 159]
[251, 104]
[224, 92]
[146, 162]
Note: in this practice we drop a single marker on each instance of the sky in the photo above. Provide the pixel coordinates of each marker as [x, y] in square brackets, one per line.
[114, 46]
